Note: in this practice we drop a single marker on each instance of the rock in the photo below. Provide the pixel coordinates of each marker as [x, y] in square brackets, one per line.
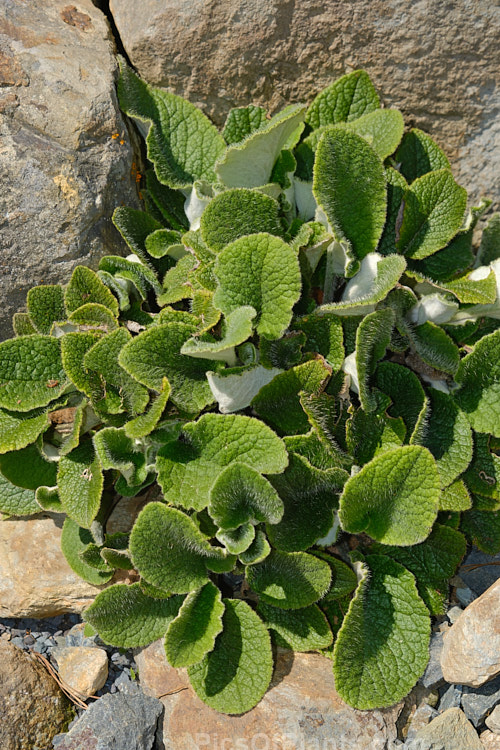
[448, 731]
[435, 61]
[482, 577]
[84, 670]
[35, 579]
[76, 637]
[490, 741]
[451, 697]
[125, 720]
[32, 707]
[477, 702]
[465, 595]
[62, 172]
[422, 716]
[471, 651]
[493, 720]
[454, 613]
[301, 707]
[433, 675]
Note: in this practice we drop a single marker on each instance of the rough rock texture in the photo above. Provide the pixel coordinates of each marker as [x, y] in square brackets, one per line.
[437, 62]
[32, 707]
[493, 720]
[83, 669]
[448, 731]
[490, 741]
[121, 721]
[301, 709]
[484, 575]
[61, 171]
[471, 651]
[478, 702]
[35, 579]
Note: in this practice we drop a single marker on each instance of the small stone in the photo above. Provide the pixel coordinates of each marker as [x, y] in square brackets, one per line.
[490, 741]
[422, 716]
[19, 642]
[477, 702]
[448, 731]
[471, 651]
[454, 613]
[6, 636]
[451, 697]
[493, 720]
[29, 640]
[433, 675]
[75, 636]
[465, 596]
[84, 670]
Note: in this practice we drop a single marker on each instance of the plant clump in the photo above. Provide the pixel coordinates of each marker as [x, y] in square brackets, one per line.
[302, 349]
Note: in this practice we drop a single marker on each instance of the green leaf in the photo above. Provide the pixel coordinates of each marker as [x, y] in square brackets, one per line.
[243, 121]
[382, 647]
[84, 287]
[48, 499]
[483, 475]
[304, 629]
[80, 482]
[313, 449]
[455, 497]
[369, 434]
[236, 330]
[344, 100]
[325, 414]
[396, 188]
[165, 242]
[448, 437]
[188, 468]
[419, 154]
[234, 388]
[394, 498]
[74, 347]
[93, 315]
[182, 143]
[46, 306]
[169, 203]
[134, 226]
[170, 552]
[310, 498]
[433, 214]
[455, 258]
[131, 271]
[344, 579]
[31, 373]
[235, 213]
[489, 249]
[434, 347]
[372, 339]
[236, 674]
[278, 402]
[483, 529]
[126, 617]
[405, 391]
[471, 289]
[22, 324]
[142, 425]
[350, 187]
[258, 550]
[75, 540]
[28, 468]
[249, 163]
[192, 633]
[237, 541]
[325, 336]
[382, 129]
[19, 429]
[283, 353]
[16, 501]
[241, 495]
[290, 580]
[261, 271]
[118, 451]
[479, 378]
[155, 354]
[92, 556]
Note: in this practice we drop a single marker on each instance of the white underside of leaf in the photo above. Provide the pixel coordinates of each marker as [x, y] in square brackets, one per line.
[433, 307]
[332, 535]
[235, 392]
[194, 205]
[304, 198]
[349, 367]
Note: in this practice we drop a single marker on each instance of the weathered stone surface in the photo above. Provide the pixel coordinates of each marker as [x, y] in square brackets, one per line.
[82, 669]
[433, 675]
[32, 707]
[61, 171]
[437, 62]
[300, 710]
[478, 702]
[125, 720]
[448, 731]
[490, 741]
[35, 579]
[422, 716]
[471, 651]
[484, 575]
[493, 720]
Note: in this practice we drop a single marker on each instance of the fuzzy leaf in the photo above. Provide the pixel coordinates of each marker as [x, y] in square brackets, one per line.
[235, 675]
[237, 541]
[93, 315]
[489, 249]
[48, 499]
[370, 434]
[28, 468]
[433, 214]
[16, 501]
[170, 552]
[479, 378]
[394, 498]
[349, 186]
[237, 329]
[118, 451]
[241, 122]
[396, 188]
[290, 580]
[46, 306]
[304, 629]
[382, 129]
[419, 154]
[31, 373]
[382, 647]
[241, 495]
[145, 423]
[22, 324]
[344, 579]
[75, 540]
[470, 289]
[434, 347]
[235, 388]
[84, 287]
[187, 469]
[80, 482]
[261, 271]
[18, 429]
[134, 226]
[126, 617]
[372, 339]
[483, 529]
[455, 497]
[139, 274]
[235, 213]
[258, 550]
[74, 347]
[192, 633]
[324, 336]
[405, 391]
[249, 163]
[344, 100]
[483, 475]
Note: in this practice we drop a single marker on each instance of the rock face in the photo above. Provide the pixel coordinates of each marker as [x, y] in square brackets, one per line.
[471, 651]
[35, 579]
[448, 731]
[437, 62]
[32, 707]
[301, 709]
[83, 669]
[61, 170]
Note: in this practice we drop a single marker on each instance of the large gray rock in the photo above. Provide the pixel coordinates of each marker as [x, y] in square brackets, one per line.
[437, 62]
[61, 171]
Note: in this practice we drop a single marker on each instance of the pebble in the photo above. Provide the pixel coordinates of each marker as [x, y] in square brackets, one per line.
[451, 697]
[454, 613]
[422, 716]
[490, 740]
[83, 669]
[448, 731]
[493, 720]
[477, 702]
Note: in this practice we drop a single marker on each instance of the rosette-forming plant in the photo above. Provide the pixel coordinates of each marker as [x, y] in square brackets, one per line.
[298, 368]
